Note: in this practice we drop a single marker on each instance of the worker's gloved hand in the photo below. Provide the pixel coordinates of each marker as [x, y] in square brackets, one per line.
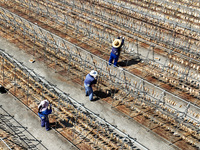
[123, 38]
[120, 37]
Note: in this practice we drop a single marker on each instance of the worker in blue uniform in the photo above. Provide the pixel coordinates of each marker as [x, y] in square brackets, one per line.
[90, 80]
[115, 51]
[43, 112]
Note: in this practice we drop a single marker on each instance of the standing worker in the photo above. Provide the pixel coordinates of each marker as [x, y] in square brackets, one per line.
[115, 51]
[43, 112]
[90, 80]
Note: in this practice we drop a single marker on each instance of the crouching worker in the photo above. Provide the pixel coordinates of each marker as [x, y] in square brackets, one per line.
[115, 51]
[90, 80]
[43, 112]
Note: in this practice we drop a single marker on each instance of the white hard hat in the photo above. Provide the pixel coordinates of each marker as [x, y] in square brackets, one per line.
[94, 73]
[44, 104]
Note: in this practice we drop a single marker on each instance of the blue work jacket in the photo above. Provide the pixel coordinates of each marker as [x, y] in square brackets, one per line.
[45, 113]
[116, 51]
[89, 80]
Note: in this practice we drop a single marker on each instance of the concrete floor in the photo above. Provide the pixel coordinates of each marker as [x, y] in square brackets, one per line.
[50, 139]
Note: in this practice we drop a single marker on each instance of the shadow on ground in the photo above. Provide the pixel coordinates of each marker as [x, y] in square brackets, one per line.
[129, 62]
[101, 94]
[63, 123]
[2, 90]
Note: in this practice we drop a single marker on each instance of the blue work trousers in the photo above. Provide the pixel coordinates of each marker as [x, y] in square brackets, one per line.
[45, 122]
[115, 57]
[88, 91]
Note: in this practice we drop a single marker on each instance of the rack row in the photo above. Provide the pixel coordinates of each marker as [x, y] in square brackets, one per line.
[119, 79]
[90, 25]
[129, 83]
[14, 135]
[30, 88]
[60, 117]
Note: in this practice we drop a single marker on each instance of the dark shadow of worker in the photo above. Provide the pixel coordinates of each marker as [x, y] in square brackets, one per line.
[130, 62]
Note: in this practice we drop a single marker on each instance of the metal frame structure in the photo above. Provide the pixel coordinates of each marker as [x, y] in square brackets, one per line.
[145, 28]
[64, 101]
[170, 39]
[21, 136]
[91, 31]
[132, 85]
[121, 78]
